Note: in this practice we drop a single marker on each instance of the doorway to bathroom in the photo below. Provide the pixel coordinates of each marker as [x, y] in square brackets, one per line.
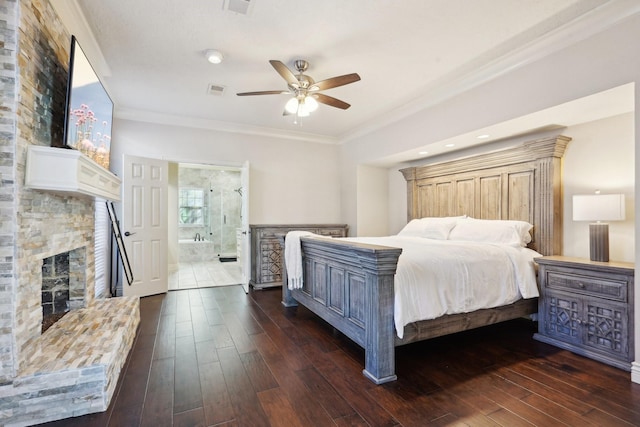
[209, 208]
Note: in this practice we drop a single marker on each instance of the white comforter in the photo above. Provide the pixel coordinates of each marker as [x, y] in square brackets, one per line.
[437, 277]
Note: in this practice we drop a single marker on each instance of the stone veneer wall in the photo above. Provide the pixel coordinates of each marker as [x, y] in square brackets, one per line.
[8, 120]
[35, 225]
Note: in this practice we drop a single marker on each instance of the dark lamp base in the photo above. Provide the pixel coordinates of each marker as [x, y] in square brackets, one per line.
[599, 242]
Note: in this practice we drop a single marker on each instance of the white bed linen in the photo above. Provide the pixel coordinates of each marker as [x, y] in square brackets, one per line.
[437, 277]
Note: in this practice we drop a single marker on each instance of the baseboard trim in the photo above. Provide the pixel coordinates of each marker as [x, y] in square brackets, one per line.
[635, 372]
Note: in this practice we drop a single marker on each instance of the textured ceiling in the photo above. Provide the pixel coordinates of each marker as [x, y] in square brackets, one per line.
[408, 53]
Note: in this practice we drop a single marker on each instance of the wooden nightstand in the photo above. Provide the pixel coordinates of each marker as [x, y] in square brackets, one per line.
[587, 307]
[266, 249]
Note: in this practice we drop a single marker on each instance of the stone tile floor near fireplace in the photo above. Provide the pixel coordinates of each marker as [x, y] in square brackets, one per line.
[191, 275]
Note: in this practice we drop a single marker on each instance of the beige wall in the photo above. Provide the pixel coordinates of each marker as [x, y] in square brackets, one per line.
[290, 181]
[373, 212]
[172, 215]
[600, 156]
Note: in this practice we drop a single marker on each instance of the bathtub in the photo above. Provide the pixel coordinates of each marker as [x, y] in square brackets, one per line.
[190, 250]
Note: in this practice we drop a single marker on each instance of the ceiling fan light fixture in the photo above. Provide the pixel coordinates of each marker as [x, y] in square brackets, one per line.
[310, 103]
[305, 90]
[302, 111]
[292, 106]
[214, 56]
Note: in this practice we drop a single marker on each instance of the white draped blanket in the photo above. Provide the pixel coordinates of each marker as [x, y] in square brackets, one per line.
[438, 277]
[293, 258]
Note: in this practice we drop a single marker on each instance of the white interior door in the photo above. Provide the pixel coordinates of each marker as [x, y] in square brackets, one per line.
[246, 250]
[144, 224]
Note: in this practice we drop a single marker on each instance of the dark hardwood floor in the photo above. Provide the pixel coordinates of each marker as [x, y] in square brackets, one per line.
[215, 356]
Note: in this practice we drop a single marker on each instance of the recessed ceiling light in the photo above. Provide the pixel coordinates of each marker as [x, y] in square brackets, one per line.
[450, 145]
[214, 56]
[484, 136]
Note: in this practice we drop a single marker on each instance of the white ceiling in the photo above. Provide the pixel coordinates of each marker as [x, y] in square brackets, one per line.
[409, 54]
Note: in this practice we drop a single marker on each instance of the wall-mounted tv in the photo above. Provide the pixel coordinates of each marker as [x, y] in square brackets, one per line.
[89, 109]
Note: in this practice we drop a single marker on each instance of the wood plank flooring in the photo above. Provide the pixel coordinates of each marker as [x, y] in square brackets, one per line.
[218, 357]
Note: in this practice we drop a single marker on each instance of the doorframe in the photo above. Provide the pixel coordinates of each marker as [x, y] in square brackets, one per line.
[235, 166]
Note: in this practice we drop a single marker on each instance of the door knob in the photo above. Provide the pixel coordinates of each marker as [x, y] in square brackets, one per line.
[126, 233]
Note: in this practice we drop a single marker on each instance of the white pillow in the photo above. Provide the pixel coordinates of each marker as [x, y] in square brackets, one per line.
[430, 227]
[508, 232]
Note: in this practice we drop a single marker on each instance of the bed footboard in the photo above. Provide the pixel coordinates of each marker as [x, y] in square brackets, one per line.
[350, 286]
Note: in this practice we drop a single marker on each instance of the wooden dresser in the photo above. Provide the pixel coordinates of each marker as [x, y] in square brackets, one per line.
[266, 250]
[587, 307]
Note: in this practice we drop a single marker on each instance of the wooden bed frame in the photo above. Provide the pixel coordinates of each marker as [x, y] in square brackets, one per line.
[350, 285]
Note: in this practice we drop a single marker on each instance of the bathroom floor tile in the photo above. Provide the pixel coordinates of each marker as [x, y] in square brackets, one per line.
[192, 275]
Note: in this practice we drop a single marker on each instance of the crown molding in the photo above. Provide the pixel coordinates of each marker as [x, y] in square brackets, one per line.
[591, 23]
[198, 123]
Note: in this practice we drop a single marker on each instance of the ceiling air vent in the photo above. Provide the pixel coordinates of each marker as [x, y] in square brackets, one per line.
[239, 6]
[214, 89]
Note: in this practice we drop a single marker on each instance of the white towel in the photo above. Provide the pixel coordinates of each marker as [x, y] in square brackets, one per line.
[293, 258]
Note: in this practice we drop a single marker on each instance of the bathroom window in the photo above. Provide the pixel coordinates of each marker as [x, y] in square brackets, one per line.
[191, 206]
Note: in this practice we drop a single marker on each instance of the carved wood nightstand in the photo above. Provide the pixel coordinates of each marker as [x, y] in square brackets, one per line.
[587, 307]
[266, 249]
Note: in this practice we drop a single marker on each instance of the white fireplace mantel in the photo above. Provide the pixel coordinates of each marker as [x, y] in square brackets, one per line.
[69, 171]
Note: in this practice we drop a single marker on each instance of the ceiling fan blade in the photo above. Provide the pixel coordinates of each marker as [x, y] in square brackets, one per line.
[285, 72]
[335, 82]
[264, 92]
[329, 100]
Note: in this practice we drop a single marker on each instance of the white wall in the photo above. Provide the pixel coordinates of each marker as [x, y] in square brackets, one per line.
[600, 156]
[373, 212]
[172, 215]
[290, 181]
[397, 201]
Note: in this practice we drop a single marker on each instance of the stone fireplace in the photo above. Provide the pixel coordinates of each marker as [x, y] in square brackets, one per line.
[73, 367]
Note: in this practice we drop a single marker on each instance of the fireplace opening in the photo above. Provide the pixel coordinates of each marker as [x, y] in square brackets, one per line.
[55, 289]
[63, 285]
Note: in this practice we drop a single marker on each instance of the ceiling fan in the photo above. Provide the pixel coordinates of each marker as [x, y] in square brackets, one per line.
[305, 90]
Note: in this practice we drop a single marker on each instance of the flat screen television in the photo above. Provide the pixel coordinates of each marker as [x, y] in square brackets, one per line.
[89, 109]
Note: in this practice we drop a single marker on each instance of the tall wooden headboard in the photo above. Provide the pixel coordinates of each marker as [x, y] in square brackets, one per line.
[520, 183]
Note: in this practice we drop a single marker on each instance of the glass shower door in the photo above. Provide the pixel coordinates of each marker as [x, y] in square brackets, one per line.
[225, 219]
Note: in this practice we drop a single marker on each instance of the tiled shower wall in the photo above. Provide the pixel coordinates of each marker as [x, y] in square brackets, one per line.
[220, 200]
[34, 48]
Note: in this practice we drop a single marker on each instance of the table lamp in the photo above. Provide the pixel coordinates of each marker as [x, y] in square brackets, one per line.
[598, 208]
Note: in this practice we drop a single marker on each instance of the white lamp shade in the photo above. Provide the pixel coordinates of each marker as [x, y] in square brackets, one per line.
[598, 207]
[302, 111]
[310, 103]
[291, 106]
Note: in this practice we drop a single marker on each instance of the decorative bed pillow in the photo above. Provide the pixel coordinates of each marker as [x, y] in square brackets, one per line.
[508, 232]
[430, 227]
